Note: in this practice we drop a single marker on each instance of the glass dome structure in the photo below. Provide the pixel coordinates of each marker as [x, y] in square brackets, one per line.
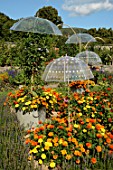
[90, 57]
[36, 25]
[80, 38]
[65, 69]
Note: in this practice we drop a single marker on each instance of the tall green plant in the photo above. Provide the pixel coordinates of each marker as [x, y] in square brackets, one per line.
[33, 52]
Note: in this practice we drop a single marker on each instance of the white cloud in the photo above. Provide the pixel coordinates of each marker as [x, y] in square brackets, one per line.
[85, 7]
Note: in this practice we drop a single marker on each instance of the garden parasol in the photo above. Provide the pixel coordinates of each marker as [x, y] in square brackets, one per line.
[36, 25]
[80, 38]
[90, 57]
[66, 69]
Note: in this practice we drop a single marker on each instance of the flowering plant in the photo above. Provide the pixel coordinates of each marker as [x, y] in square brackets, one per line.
[81, 133]
[81, 84]
[26, 100]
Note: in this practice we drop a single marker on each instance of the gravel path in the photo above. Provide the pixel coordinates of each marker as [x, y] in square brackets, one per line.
[105, 67]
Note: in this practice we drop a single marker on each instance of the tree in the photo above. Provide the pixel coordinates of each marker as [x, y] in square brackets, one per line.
[49, 13]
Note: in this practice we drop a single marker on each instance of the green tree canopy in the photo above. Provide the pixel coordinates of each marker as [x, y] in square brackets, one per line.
[50, 13]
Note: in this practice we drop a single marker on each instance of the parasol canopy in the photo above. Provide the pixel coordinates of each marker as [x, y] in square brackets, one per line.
[80, 38]
[89, 57]
[65, 69]
[36, 25]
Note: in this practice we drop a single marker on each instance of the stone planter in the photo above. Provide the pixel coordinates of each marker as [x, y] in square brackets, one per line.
[29, 120]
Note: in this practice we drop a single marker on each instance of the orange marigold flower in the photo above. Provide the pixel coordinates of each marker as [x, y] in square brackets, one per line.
[60, 127]
[28, 131]
[27, 141]
[92, 120]
[82, 149]
[77, 161]
[68, 157]
[40, 136]
[33, 143]
[93, 160]
[50, 134]
[69, 139]
[55, 144]
[88, 145]
[64, 152]
[77, 153]
[55, 156]
[35, 136]
[65, 143]
[98, 135]
[69, 134]
[99, 148]
[41, 128]
[74, 140]
[108, 140]
[108, 88]
[111, 146]
[55, 139]
[111, 136]
[89, 125]
[98, 126]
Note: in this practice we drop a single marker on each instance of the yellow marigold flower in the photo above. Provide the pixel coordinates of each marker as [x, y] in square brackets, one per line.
[46, 147]
[64, 152]
[17, 105]
[102, 134]
[50, 94]
[33, 106]
[22, 100]
[60, 141]
[28, 103]
[37, 146]
[42, 149]
[93, 127]
[84, 108]
[103, 130]
[40, 140]
[19, 100]
[48, 144]
[50, 101]
[52, 164]
[76, 126]
[68, 157]
[43, 156]
[80, 101]
[84, 130]
[49, 139]
[93, 115]
[40, 161]
[23, 108]
[34, 150]
[87, 106]
[47, 97]
[80, 114]
[30, 158]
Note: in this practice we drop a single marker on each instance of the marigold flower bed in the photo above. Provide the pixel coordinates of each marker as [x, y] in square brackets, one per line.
[81, 134]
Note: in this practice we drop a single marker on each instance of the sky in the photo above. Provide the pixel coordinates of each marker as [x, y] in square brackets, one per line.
[74, 13]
